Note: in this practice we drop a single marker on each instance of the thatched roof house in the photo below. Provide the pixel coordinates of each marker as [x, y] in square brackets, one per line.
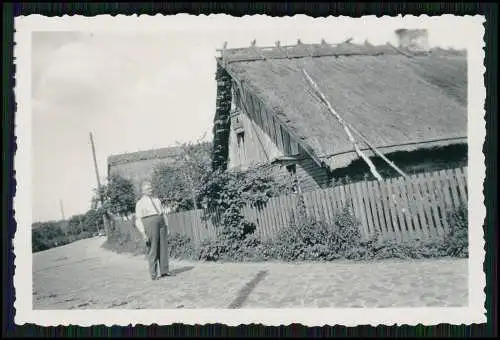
[399, 100]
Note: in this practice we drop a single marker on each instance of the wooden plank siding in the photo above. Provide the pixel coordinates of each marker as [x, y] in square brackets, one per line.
[311, 176]
[394, 208]
[266, 139]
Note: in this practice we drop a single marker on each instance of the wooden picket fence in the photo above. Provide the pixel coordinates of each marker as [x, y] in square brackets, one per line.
[395, 208]
[192, 224]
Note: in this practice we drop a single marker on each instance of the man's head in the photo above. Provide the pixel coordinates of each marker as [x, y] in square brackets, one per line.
[146, 188]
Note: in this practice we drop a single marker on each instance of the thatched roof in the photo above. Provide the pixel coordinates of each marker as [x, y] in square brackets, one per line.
[396, 100]
[163, 153]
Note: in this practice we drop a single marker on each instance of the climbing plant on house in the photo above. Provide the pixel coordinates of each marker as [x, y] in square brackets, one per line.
[225, 194]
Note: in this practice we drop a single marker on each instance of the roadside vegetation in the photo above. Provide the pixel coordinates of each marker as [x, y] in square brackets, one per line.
[46, 235]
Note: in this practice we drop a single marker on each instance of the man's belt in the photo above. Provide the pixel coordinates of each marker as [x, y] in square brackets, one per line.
[150, 215]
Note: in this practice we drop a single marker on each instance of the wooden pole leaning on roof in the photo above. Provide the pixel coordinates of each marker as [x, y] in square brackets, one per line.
[374, 149]
[351, 138]
[381, 155]
[347, 126]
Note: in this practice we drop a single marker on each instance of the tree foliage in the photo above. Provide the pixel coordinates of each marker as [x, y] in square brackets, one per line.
[93, 219]
[118, 196]
[178, 184]
[170, 187]
[232, 190]
[46, 235]
[75, 224]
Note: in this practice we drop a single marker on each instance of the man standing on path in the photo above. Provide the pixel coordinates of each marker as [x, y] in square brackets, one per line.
[152, 223]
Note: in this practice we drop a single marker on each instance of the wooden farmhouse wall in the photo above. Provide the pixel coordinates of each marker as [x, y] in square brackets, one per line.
[137, 171]
[256, 137]
[248, 144]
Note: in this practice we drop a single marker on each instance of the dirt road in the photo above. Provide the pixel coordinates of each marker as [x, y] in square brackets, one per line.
[83, 275]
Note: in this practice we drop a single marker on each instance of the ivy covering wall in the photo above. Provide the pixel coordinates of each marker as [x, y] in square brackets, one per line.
[221, 127]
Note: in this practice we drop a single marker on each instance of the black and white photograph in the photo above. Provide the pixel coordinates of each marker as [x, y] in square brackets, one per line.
[257, 169]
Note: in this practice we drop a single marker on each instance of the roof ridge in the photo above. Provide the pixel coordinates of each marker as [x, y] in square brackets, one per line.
[145, 150]
[154, 153]
[302, 44]
[320, 49]
[301, 50]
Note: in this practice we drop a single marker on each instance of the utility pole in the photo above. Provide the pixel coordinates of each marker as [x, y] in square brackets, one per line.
[104, 219]
[95, 163]
[62, 210]
[64, 223]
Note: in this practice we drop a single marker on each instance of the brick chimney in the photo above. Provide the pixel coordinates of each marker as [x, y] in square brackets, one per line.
[414, 40]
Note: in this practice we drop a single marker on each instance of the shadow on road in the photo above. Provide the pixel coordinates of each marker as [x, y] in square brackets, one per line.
[181, 270]
[247, 290]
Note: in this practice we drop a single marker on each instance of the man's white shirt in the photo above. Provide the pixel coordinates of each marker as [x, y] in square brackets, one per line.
[144, 208]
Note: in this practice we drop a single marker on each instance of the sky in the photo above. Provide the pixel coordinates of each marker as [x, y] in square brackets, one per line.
[142, 89]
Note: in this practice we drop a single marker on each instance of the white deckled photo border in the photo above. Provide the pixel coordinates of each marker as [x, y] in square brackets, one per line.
[23, 277]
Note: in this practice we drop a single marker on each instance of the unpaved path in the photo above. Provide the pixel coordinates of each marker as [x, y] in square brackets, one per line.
[84, 275]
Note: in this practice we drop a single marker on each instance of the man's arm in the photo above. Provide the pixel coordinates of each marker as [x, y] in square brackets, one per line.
[138, 221]
[140, 227]
[164, 212]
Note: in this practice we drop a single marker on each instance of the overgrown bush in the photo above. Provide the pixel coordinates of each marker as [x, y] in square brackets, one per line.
[378, 248]
[210, 250]
[180, 247]
[317, 240]
[310, 239]
[248, 249]
[229, 245]
[457, 240]
[225, 194]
